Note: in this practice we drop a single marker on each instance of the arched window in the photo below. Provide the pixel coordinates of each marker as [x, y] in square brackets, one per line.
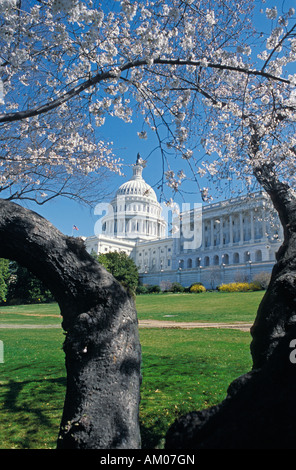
[207, 261]
[197, 262]
[235, 258]
[189, 263]
[247, 256]
[216, 260]
[225, 259]
[258, 255]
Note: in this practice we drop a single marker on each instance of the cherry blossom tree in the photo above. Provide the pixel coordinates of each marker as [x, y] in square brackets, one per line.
[68, 62]
[215, 90]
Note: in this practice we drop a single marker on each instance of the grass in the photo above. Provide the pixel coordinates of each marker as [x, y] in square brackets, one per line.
[182, 370]
[41, 314]
[186, 370]
[32, 388]
[223, 307]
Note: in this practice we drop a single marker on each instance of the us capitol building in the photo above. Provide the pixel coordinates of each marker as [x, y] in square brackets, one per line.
[223, 242]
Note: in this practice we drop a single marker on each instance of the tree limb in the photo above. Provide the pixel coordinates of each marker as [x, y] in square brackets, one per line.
[77, 90]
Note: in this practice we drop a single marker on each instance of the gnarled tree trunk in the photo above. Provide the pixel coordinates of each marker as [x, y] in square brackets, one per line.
[102, 348]
[259, 409]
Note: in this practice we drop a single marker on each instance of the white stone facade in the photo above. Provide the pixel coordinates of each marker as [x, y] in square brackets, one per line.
[238, 238]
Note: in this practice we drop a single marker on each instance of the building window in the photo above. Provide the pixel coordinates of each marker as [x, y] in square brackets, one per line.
[247, 256]
[258, 255]
[225, 259]
[235, 258]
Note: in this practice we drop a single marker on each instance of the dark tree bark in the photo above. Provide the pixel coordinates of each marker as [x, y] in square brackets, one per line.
[259, 410]
[276, 313]
[102, 348]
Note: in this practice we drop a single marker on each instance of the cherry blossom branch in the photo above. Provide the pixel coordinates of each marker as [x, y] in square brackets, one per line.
[77, 90]
[278, 46]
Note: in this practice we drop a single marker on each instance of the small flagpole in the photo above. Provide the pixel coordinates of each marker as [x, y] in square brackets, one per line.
[73, 227]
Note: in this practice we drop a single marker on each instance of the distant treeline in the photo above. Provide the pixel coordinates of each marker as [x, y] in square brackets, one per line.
[19, 286]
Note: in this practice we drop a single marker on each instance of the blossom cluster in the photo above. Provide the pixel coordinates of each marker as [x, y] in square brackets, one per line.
[207, 84]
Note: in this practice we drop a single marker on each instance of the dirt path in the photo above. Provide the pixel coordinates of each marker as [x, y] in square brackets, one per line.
[151, 324]
[188, 325]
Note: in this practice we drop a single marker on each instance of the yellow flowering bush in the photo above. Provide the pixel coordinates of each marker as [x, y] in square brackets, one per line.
[197, 288]
[239, 287]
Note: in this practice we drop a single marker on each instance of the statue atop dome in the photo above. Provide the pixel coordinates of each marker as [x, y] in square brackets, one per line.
[138, 168]
[140, 161]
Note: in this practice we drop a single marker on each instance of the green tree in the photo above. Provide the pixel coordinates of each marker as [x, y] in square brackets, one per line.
[26, 288]
[122, 267]
[4, 279]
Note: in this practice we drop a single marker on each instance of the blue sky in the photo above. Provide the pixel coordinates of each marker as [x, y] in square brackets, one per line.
[64, 213]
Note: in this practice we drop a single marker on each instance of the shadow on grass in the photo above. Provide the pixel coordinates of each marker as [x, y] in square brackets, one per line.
[152, 437]
[30, 408]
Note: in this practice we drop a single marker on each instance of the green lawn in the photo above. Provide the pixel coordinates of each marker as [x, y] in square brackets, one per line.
[185, 370]
[182, 369]
[221, 307]
[32, 388]
[45, 314]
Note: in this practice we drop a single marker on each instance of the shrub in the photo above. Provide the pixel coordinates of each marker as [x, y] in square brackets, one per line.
[141, 290]
[177, 287]
[154, 289]
[255, 286]
[197, 288]
[239, 287]
[166, 286]
[262, 279]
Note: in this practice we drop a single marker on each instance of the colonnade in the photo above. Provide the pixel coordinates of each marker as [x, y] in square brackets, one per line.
[240, 227]
[134, 227]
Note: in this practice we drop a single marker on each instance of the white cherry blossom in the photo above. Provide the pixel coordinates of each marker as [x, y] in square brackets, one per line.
[196, 71]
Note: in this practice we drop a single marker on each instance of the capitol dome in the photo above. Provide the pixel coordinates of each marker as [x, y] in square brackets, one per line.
[136, 187]
[135, 211]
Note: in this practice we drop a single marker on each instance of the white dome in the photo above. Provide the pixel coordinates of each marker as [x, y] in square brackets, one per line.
[136, 212]
[137, 186]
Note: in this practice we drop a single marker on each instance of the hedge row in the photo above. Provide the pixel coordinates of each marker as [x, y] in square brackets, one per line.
[198, 288]
[174, 287]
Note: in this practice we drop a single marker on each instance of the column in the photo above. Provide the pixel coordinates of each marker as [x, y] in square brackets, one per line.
[230, 230]
[264, 224]
[221, 232]
[252, 225]
[158, 263]
[241, 238]
[212, 232]
[203, 243]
